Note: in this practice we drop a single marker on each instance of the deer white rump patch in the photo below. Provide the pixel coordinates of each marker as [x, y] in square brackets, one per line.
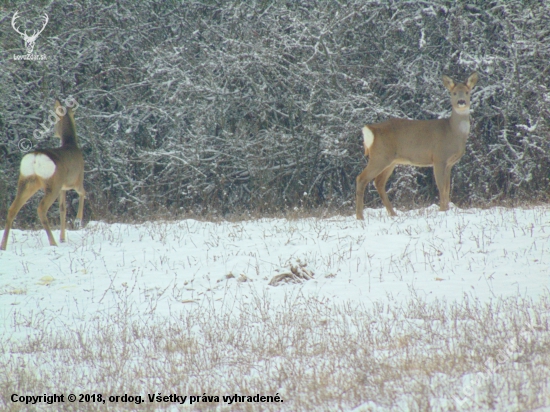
[37, 164]
[368, 137]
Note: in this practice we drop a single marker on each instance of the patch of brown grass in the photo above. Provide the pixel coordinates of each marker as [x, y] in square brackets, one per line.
[317, 356]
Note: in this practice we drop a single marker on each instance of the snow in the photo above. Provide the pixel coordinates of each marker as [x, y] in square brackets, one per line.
[485, 254]
[160, 270]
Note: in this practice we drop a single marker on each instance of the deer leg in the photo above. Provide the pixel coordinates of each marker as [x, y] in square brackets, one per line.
[380, 183]
[447, 194]
[372, 170]
[81, 196]
[45, 204]
[25, 189]
[62, 214]
[442, 175]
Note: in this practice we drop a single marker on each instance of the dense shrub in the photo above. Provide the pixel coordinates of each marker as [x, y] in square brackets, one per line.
[232, 106]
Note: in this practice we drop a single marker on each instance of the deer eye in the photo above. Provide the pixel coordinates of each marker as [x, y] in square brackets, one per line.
[467, 93]
[454, 94]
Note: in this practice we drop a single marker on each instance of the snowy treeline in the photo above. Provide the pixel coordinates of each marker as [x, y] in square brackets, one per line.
[257, 105]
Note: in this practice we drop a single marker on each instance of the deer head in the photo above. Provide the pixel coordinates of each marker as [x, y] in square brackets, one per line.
[29, 40]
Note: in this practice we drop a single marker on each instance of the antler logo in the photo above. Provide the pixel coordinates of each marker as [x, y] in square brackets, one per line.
[29, 40]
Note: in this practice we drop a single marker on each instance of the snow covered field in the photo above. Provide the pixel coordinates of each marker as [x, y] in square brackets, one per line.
[483, 253]
[186, 307]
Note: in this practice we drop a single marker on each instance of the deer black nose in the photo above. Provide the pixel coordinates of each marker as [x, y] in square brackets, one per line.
[461, 102]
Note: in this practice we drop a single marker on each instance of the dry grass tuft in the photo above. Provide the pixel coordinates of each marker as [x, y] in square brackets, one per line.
[298, 274]
[417, 355]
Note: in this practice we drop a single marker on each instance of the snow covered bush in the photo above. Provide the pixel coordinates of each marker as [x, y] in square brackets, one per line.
[257, 106]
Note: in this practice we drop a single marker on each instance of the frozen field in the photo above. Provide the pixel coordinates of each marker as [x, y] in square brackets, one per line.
[397, 313]
[483, 253]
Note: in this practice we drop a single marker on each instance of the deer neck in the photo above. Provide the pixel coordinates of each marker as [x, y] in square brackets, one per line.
[69, 141]
[460, 123]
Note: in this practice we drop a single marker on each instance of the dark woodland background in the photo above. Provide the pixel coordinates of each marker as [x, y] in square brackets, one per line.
[229, 107]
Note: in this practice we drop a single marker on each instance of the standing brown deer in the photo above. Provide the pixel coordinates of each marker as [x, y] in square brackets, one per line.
[439, 143]
[54, 171]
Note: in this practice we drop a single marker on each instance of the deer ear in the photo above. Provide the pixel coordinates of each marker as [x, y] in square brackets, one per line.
[472, 80]
[448, 83]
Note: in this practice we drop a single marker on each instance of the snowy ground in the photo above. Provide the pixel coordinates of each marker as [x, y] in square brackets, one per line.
[484, 253]
[161, 270]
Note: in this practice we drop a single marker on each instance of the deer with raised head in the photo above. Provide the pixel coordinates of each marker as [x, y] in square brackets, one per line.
[54, 171]
[29, 40]
[438, 143]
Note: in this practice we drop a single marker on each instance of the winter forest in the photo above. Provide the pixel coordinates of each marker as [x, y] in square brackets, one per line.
[213, 107]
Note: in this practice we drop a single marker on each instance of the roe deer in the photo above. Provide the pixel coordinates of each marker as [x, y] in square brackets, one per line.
[54, 171]
[439, 143]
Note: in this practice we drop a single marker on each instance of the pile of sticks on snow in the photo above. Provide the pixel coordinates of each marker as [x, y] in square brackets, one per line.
[297, 274]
